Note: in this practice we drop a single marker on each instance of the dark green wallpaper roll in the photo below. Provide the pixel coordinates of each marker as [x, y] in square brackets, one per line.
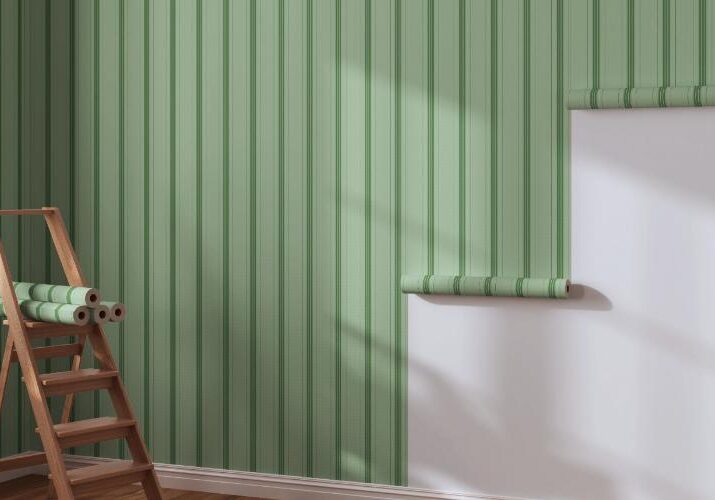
[252, 178]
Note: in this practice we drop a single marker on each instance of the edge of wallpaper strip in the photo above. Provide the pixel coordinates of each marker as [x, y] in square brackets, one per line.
[642, 97]
[486, 286]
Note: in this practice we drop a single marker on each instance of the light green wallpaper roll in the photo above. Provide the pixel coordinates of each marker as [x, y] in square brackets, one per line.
[68, 314]
[252, 178]
[57, 293]
[642, 97]
[555, 288]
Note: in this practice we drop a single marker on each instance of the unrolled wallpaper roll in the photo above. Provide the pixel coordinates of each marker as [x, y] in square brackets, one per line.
[100, 314]
[68, 314]
[555, 288]
[641, 97]
[62, 294]
[117, 311]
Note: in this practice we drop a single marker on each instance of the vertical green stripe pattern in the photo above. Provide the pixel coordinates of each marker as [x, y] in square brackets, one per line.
[199, 229]
[309, 403]
[172, 230]
[252, 252]
[368, 242]
[182, 116]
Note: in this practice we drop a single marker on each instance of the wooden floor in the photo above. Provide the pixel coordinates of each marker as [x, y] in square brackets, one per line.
[35, 488]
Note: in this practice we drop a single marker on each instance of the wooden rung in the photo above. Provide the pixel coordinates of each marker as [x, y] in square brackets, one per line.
[107, 475]
[41, 329]
[87, 379]
[28, 211]
[93, 430]
[54, 351]
[22, 460]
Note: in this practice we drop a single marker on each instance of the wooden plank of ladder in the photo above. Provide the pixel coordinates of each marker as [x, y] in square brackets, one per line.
[19, 339]
[71, 268]
[102, 477]
[51, 351]
[93, 430]
[43, 330]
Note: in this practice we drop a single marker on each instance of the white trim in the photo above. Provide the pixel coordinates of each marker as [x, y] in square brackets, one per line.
[273, 486]
[254, 484]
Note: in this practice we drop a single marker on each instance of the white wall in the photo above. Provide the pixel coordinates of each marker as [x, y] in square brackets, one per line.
[610, 394]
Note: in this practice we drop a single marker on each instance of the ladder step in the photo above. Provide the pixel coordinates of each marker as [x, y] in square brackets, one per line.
[21, 460]
[86, 379]
[44, 330]
[107, 475]
[91, 431]
[55, 351]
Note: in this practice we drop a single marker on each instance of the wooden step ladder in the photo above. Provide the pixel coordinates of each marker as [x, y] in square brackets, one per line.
[65, 484]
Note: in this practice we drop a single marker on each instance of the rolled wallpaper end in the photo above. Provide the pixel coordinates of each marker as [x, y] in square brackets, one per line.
[117, 310]
[487, 286]
[100, 314]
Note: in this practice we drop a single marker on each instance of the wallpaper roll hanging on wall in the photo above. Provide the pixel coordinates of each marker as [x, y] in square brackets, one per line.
[555, 288]
[62, 294]
[642, 97]
[68, 314]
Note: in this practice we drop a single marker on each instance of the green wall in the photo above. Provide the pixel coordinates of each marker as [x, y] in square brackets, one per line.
[252, 177]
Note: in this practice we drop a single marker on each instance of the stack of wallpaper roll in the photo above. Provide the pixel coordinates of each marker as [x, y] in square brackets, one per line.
[69, 305]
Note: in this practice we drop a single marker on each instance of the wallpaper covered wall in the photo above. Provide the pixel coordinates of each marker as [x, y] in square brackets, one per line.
[253, 177]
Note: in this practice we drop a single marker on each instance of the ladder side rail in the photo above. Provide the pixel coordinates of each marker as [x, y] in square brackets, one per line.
[5, 368]
[75, 277]
[21, 343]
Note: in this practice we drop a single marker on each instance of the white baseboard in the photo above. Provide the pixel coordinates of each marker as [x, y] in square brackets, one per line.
[254, 484]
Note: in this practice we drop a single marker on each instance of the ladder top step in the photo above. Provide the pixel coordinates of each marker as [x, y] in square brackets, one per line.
[50, 379]
[45, 329]
[103, 472]
[81, 427]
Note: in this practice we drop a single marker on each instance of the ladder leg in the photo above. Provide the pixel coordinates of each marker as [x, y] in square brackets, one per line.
[55, 460]
[71, 268]
[152, 488]
[51, 491]
[69, 399]
[120, 400]
[5, 369]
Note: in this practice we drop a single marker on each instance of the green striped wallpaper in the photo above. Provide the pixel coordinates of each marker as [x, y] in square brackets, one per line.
[253, 177]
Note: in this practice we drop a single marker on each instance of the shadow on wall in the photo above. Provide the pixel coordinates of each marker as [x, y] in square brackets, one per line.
[652, 162]
[581, 297]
